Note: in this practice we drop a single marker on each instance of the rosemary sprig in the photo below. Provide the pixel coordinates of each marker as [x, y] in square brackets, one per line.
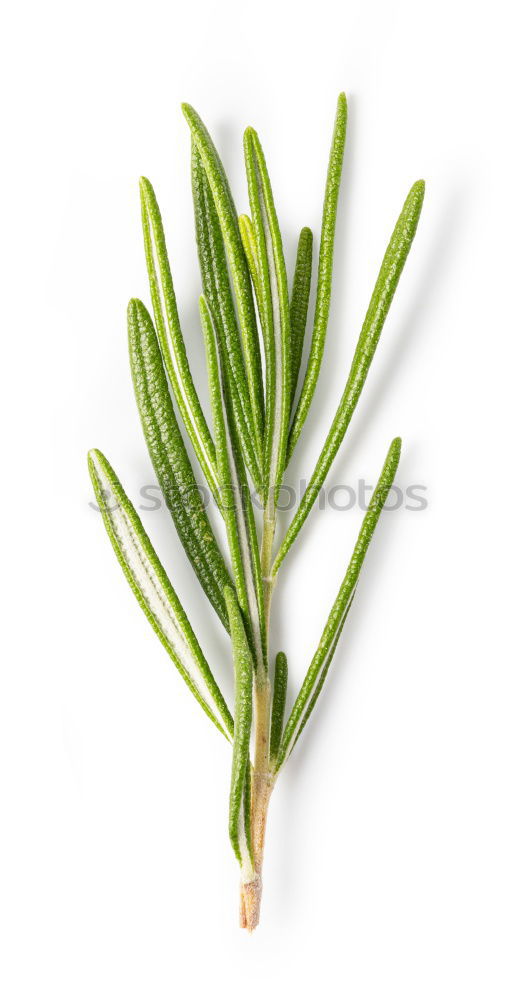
[245, 287]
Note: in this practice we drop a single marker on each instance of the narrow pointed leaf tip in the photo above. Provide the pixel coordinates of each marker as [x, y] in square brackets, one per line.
[238, 265]
[273, 299]
[170, 335]
[322, 659]
[154, 591]
[239, 821]
[218, 293]
[390, 271]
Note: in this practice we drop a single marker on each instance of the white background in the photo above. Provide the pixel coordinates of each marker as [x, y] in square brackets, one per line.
[391, 858]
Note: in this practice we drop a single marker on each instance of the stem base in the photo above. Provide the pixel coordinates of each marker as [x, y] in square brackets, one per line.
[251, 892]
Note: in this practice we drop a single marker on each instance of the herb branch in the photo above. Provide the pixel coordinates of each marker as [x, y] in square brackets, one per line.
[254, 325]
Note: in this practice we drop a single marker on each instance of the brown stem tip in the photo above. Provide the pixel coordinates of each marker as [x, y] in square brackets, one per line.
[251, 893]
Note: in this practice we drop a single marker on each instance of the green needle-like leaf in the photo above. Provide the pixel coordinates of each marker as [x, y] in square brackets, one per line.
[387, 281]
[154, 591]
[317, 689]
[218, 293]
[274, 298]
[170, 458]
[239, 825]
[278, 705]
[250, 248]
[170, 335]
[235, 500]
[317, 671]
[238, 266]
[326, 260]
[300, 304]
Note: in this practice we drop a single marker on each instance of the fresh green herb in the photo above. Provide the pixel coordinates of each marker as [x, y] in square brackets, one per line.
[278, 705]
[300, 304]
[228, 221]
[236, 502]
[240, 811]
[217, 289]
[389, 274]
[154, 591]
[256, 423]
